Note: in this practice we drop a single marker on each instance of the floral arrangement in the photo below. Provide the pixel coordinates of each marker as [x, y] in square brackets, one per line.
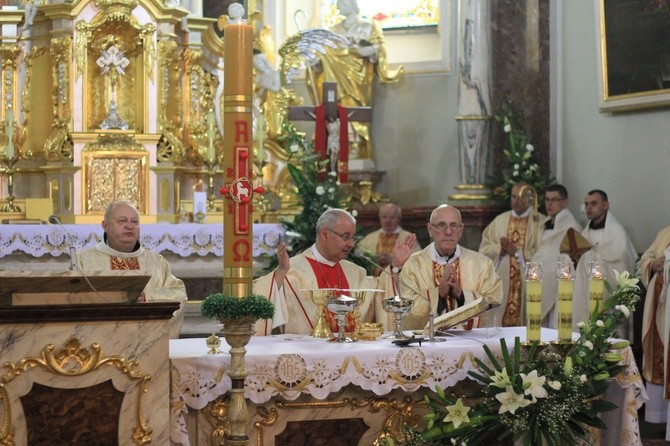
[317, 189]
[222, 306]
[521, 159]
[539, 395]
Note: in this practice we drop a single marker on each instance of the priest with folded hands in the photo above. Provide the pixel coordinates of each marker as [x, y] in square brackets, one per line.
[323, 265]
[445, 275]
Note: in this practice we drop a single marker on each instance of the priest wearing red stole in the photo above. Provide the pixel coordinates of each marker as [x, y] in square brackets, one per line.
[323, 265]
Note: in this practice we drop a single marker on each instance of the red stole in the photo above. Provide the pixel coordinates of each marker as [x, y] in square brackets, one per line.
[332, 277]
[321, 138]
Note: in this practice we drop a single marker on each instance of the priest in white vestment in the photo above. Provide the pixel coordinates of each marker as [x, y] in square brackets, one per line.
[323, 265]
[379, 244]
[511, 240]
[444, 275]
[549, 248]
[120, 250]
[654, 322]
[611, 246]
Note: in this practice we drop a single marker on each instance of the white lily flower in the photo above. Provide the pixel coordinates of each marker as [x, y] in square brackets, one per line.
[458, 414]
[320, 190]
[624, 309]
[507, 128]
[625, 280]
[582, 379]
[600, 323]
[501, 379]
[534, 385]
[556, 385]
[588, 344]
[530, 147]
[510, 401]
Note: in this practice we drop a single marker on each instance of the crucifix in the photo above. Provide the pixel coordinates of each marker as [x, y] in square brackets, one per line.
[331, 135]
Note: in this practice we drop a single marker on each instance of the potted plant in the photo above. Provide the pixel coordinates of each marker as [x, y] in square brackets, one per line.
[229, 309]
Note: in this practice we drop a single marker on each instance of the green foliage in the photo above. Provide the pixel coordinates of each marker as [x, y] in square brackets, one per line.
[222, 306]
[522, 160]
[539, 395]
[317, 189]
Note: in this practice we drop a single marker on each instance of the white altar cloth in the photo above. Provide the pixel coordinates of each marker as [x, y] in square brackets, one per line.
[290, 365]
[184, 239]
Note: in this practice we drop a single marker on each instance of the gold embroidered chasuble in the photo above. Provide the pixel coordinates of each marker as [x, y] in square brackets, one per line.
[523, 231]
[162, 285]
[476, 273]
[294, 309]
[653, 319]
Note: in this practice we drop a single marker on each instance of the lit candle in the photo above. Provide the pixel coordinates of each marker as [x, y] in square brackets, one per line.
[565, 310]
[9, 128]
[211, 151]
[533, 310]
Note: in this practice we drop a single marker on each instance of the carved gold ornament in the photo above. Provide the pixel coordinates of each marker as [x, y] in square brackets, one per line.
[74, 360]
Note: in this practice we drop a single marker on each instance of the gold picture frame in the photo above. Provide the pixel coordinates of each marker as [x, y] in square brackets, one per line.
[634, 55]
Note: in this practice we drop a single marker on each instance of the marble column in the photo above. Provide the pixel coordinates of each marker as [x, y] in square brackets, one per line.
[474, 104]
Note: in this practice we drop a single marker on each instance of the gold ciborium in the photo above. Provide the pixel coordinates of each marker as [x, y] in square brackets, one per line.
[320, 298]
[342, 305]
[360, 296]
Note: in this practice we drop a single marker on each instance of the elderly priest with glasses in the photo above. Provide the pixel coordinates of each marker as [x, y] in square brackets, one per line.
[444, 275]
[323, 265]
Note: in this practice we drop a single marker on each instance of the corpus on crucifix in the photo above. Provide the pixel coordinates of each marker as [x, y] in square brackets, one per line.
[112, 63]
[331, 135]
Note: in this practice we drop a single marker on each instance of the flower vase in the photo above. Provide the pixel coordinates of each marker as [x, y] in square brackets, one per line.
[237, 333]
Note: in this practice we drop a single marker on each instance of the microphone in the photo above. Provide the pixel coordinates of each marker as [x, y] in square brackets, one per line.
[55, 221]
[396, 279]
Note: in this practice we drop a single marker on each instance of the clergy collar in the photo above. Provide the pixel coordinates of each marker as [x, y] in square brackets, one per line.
[437, 258]
[525, 213]
[601, 225]
[135, 248]
[106, 249]
[319, 258]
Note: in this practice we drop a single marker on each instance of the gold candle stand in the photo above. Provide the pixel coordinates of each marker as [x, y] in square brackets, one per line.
[9, 171]
[211, 172]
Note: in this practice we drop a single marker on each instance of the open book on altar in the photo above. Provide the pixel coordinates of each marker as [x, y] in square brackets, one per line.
[462, 314]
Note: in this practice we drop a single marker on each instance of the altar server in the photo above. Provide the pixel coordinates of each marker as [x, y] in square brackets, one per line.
[549, 248]
[445, 275]
[323, 265]
[120, 250]
[611, 246]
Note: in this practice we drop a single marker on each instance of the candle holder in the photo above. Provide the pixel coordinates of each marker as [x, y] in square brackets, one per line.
[565, 274]
[9, 171]
[211, 172]
[533, 277]
[596, 286]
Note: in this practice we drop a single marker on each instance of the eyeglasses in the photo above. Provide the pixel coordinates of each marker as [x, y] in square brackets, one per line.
[444, 226]
[346, 237]
[553, 200]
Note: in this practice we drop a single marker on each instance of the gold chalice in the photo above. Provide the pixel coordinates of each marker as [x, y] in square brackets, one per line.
[400, 306]
[342, 305]
[360, 296]
[320, 298]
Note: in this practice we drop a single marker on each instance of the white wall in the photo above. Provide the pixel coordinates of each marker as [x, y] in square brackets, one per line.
[627, 155]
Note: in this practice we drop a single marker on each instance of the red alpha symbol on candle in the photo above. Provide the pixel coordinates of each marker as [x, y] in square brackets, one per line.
[241, 191]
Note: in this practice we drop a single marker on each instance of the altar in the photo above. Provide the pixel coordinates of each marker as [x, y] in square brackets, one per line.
[193, 250]
[375, 386]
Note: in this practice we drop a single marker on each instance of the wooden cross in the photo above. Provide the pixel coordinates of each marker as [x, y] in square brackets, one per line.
[329, 102]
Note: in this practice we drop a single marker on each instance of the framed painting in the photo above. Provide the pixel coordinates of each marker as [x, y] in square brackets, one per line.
[634, 53]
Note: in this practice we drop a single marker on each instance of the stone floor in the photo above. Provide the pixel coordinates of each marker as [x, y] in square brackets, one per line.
[652, 434]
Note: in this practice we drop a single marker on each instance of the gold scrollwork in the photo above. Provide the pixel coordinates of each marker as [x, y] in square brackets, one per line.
[74, 360]
[398, 414]
[216, 412]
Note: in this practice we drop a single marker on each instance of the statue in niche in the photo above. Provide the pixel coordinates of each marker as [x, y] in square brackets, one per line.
[113, 63]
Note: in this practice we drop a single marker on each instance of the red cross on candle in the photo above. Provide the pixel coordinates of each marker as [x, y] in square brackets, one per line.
[241, 191]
